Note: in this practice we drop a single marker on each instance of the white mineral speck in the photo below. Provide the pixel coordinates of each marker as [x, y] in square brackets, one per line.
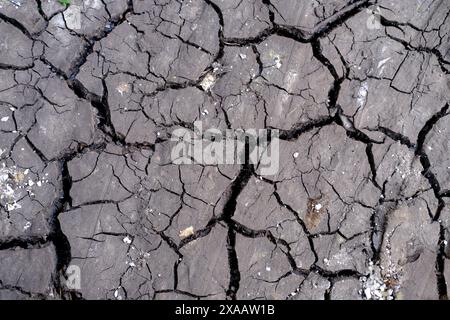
[362, 94]
[368, 294]
[278, 63]
[127, 240]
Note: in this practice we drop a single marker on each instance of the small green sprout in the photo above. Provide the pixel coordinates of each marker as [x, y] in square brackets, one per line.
[65, 3]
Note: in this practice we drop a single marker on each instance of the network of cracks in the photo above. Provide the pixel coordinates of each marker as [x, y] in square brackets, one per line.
[91, 93]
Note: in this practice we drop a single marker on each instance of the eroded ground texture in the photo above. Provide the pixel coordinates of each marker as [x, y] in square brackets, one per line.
[359, 208]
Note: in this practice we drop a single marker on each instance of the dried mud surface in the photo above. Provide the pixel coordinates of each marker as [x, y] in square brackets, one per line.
[359, 90]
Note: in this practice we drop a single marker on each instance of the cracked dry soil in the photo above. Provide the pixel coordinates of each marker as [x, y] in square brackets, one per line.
[359, 90]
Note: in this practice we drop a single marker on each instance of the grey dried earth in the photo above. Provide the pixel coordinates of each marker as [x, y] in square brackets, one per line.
[91, 93]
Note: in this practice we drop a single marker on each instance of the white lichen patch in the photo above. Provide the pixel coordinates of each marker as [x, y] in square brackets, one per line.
[14, 184]
[406, 165]
[27, 226]
[208, 81]
[274, 60]
[277, 62]
[340, 260]
[186, 232]
[377, 286]
[123, 88]
[136, 258]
